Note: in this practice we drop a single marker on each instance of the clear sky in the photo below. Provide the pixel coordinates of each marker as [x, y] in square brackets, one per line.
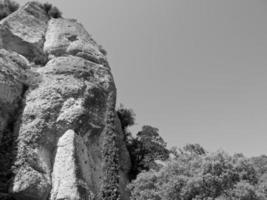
[197, 70]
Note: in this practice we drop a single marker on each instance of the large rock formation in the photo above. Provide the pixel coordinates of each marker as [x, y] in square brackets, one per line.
[60, 137]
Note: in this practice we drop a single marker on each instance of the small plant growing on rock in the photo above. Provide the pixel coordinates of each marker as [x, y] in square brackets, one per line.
[7, 7]
[52, 11]
[102, 50]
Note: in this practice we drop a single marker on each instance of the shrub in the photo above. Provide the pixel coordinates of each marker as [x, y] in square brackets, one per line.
[52, 11]
[126, 116]
[47, 6]
[102, 50]
[12, 5]
[7, 7]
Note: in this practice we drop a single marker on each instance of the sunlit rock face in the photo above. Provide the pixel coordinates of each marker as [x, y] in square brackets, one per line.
[67, 36]
[53, 117]
[24, 31]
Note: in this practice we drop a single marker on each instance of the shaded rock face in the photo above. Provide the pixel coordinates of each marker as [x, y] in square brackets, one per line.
[13, 79]
[53, 118]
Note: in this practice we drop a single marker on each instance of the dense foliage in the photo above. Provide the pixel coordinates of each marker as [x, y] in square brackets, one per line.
[7, 7]
[126, 116]
[194, 176]
[110, 184]
[190, 172]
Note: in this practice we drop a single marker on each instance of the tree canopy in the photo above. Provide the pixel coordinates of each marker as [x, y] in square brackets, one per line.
[190, 172]
[194, 176]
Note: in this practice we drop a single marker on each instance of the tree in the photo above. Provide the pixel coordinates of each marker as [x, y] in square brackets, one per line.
[152, 145]
[144, 149]
[147, 147]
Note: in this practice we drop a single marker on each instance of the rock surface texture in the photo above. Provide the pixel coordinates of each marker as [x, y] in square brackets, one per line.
[60, 138]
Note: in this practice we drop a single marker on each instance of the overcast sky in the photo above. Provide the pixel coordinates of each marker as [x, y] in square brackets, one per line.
[197, 70]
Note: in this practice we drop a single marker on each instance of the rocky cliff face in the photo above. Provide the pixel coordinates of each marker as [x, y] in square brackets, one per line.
[60, 137]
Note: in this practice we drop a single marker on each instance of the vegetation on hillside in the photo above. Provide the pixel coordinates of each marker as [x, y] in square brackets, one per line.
[7, 7]
[196, 176]
[188, 173]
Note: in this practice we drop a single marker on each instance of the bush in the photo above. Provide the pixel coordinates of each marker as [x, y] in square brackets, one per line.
[126, 116]
[7, 7]
[102, 50]
[52, 11]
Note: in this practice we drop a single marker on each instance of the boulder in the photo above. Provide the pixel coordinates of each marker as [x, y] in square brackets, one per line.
[67, 36]
[24, 31]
